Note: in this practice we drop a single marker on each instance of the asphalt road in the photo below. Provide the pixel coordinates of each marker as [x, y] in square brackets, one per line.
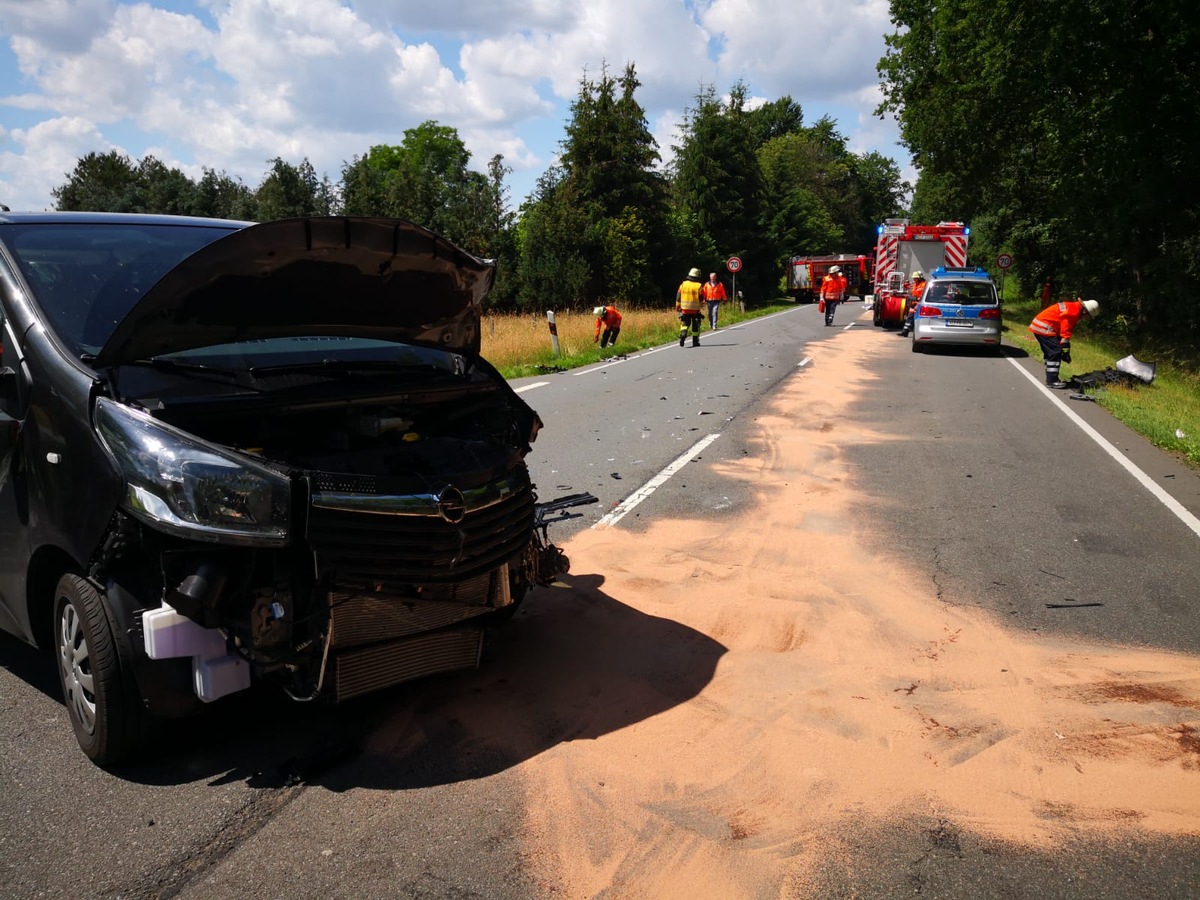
[993, 492]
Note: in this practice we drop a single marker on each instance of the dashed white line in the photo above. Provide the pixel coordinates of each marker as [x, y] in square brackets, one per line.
[657, 481]
[530, 387]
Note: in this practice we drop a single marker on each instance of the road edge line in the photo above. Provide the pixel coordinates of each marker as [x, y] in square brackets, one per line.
[1181, 512]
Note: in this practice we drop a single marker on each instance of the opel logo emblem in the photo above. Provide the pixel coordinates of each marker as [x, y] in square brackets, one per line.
[960, 314]
[451, 505]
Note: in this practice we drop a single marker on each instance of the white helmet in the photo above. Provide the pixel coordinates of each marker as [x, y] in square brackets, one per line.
[598, 311]
[835, 270]
[918, 274]
[694, 273]
[1092, 307]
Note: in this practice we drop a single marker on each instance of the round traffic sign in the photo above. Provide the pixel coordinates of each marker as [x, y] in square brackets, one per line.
[733, 264]
[1004, 260]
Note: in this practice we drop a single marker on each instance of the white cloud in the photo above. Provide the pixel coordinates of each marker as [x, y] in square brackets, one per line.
[44, 155]
[470, 18]
[228, 84]
[59, 26]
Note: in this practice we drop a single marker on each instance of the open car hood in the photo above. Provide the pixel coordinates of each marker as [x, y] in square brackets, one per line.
[342, 276]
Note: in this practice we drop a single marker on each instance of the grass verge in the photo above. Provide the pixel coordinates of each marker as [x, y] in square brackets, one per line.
[520, 345]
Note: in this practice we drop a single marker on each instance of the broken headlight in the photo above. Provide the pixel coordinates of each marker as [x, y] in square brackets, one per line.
[181, 485]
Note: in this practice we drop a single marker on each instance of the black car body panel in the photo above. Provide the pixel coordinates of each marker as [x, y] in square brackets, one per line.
[264, 451]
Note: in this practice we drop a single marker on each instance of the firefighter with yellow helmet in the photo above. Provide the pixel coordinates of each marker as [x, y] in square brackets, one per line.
[916, 289]
[687, 304]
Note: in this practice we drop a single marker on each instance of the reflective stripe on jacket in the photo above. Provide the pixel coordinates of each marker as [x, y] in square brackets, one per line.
[1058, 319]
[688, 297]
[713, 293]
[834, 287]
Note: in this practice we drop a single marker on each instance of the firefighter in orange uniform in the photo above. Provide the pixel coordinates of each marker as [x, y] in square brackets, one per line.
[833, 292]
[712, 292]
[1053, 328]
[608, 321]
[914, 297]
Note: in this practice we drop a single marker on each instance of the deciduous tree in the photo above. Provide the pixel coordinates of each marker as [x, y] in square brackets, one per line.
[1069, 130]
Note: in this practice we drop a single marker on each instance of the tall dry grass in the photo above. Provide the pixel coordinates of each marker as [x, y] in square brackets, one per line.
[521, 345]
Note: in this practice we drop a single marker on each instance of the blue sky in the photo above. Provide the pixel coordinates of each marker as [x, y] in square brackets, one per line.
[230, 84]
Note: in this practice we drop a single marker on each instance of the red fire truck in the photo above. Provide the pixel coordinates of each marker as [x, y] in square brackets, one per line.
[805, 273]
[903, 248]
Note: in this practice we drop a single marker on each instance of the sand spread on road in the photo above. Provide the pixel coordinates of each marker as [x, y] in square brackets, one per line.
[847, 692]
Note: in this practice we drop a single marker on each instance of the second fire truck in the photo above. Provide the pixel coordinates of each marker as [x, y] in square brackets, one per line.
[903, 248]
[805, 273]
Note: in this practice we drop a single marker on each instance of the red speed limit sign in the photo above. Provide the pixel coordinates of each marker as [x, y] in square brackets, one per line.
[733, 264]
[1004, 260]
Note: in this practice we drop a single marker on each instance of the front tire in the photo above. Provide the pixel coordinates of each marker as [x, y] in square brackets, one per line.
[102, 698]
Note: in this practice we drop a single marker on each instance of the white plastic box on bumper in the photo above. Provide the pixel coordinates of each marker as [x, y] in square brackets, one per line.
[215, 671]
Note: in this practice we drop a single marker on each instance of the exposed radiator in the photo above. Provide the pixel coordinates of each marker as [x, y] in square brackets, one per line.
[383, 665]
[368, 618]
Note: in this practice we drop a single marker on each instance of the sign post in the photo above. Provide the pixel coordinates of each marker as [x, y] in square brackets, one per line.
[1003, 261]
[734, 265]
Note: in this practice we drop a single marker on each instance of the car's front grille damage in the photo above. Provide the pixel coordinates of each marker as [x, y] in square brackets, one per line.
[369, 540]
[361, 619]
[406, 573]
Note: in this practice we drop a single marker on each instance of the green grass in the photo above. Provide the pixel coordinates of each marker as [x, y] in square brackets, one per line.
[1160, 411]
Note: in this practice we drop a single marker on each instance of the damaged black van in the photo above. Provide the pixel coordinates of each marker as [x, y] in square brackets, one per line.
[233, 452]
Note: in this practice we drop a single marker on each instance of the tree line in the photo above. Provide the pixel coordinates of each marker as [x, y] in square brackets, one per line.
[1065, 133]
[607, 223]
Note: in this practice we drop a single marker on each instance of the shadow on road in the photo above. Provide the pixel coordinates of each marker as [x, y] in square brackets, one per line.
[31, 665]
[574, 664]
[966, 350]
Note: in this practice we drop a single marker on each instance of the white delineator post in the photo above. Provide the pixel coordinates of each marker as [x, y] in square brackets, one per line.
[553, 331]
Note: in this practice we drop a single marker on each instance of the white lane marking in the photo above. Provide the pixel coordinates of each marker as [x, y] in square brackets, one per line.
[657, 481]
[804, 362]
[530, 387]
[604, 365]
[1146, 481]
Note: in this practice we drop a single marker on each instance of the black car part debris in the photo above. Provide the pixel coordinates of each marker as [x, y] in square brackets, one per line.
[1129, 371]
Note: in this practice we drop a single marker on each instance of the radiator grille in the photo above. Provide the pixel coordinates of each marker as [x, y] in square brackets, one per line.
[365, 548]
[378, 617]
[383, 665]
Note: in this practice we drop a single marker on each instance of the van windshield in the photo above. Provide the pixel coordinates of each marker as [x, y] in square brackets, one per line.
[87, 276]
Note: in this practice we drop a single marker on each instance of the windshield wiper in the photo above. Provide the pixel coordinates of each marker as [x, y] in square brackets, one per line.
[240, 377]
